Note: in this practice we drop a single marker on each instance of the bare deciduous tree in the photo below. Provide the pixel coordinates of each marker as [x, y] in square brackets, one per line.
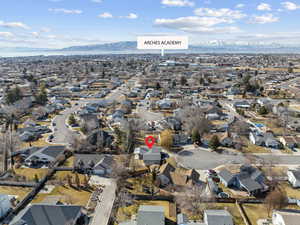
[192, 200]
[277, 199]
[194, 118]
[9, 143]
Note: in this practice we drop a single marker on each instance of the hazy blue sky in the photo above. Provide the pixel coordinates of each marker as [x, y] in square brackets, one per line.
[60, 23]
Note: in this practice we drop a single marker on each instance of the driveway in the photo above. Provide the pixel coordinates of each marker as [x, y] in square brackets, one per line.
[202, 159]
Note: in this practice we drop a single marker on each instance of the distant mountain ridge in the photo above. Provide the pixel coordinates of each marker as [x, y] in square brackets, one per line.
[131, 46]
[116, 46]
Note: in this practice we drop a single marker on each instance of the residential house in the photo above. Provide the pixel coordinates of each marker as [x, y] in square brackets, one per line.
[181, 139]
[217, 217]
[213, 116]
[32, 133]
[5, 204]
[148, 215]
[100, 137]
[174, 123]
[168, 174]
[164, 104]
[93, 163]
[211, 217]
[263, 101]
[290, 142]
[286, 217]
[37, 214]
[149, 156]
[294, 178]
[248, 179]
[89, 121]
[264, 139]
[241, 104]
[45, 156]
[226, 140]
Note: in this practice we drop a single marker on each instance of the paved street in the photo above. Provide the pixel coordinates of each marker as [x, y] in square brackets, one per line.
[62, 134]
[104, 207]
[146, 114]
[203, 159]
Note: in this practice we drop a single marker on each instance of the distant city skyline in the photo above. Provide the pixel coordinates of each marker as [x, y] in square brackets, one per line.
[64, 23]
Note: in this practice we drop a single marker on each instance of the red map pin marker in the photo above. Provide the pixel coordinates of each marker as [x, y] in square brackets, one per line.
[150, 141]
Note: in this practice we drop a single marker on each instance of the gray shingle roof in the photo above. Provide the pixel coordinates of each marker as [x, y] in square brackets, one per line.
[218, 217]
[226, 175]
[296, 174]
[38, 214]
[250, 185]
[151, 215]
[86, 158]
[53, 151]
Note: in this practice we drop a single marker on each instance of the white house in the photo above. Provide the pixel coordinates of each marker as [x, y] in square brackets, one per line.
[294, 178]
[286, 217]
[5, 204]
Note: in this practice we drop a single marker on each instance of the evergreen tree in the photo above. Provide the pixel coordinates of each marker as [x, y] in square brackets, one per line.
[214, 143]
[196, 138]
[42, 97]
[77, 180]
[36, 178]
[13, 95]
[72, 120]
[69, 180]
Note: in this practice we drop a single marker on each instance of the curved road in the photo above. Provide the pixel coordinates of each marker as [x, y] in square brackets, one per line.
[62, 134]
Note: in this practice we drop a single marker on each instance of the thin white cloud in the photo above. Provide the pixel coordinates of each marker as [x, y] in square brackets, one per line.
[132, 16]
[6, 34]
[177, 3]
[65, 11]
[97, 1]
[264, 7]
[290, 6]
[195, 24]
[263, 19]
[191, 21]
[105, 15]
[223, 12]
[45, 29]
[240, 6]
[213, 30]
[35, 34]
[14, 25]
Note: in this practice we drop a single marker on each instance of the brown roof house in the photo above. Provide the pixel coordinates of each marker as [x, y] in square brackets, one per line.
[168, 174]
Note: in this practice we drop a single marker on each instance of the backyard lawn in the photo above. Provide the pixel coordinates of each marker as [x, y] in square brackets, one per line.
[291, 192]
[68, 196]
[255, 212]
[30, 173]
[126, 213]
[259, 211]
[20, 192]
